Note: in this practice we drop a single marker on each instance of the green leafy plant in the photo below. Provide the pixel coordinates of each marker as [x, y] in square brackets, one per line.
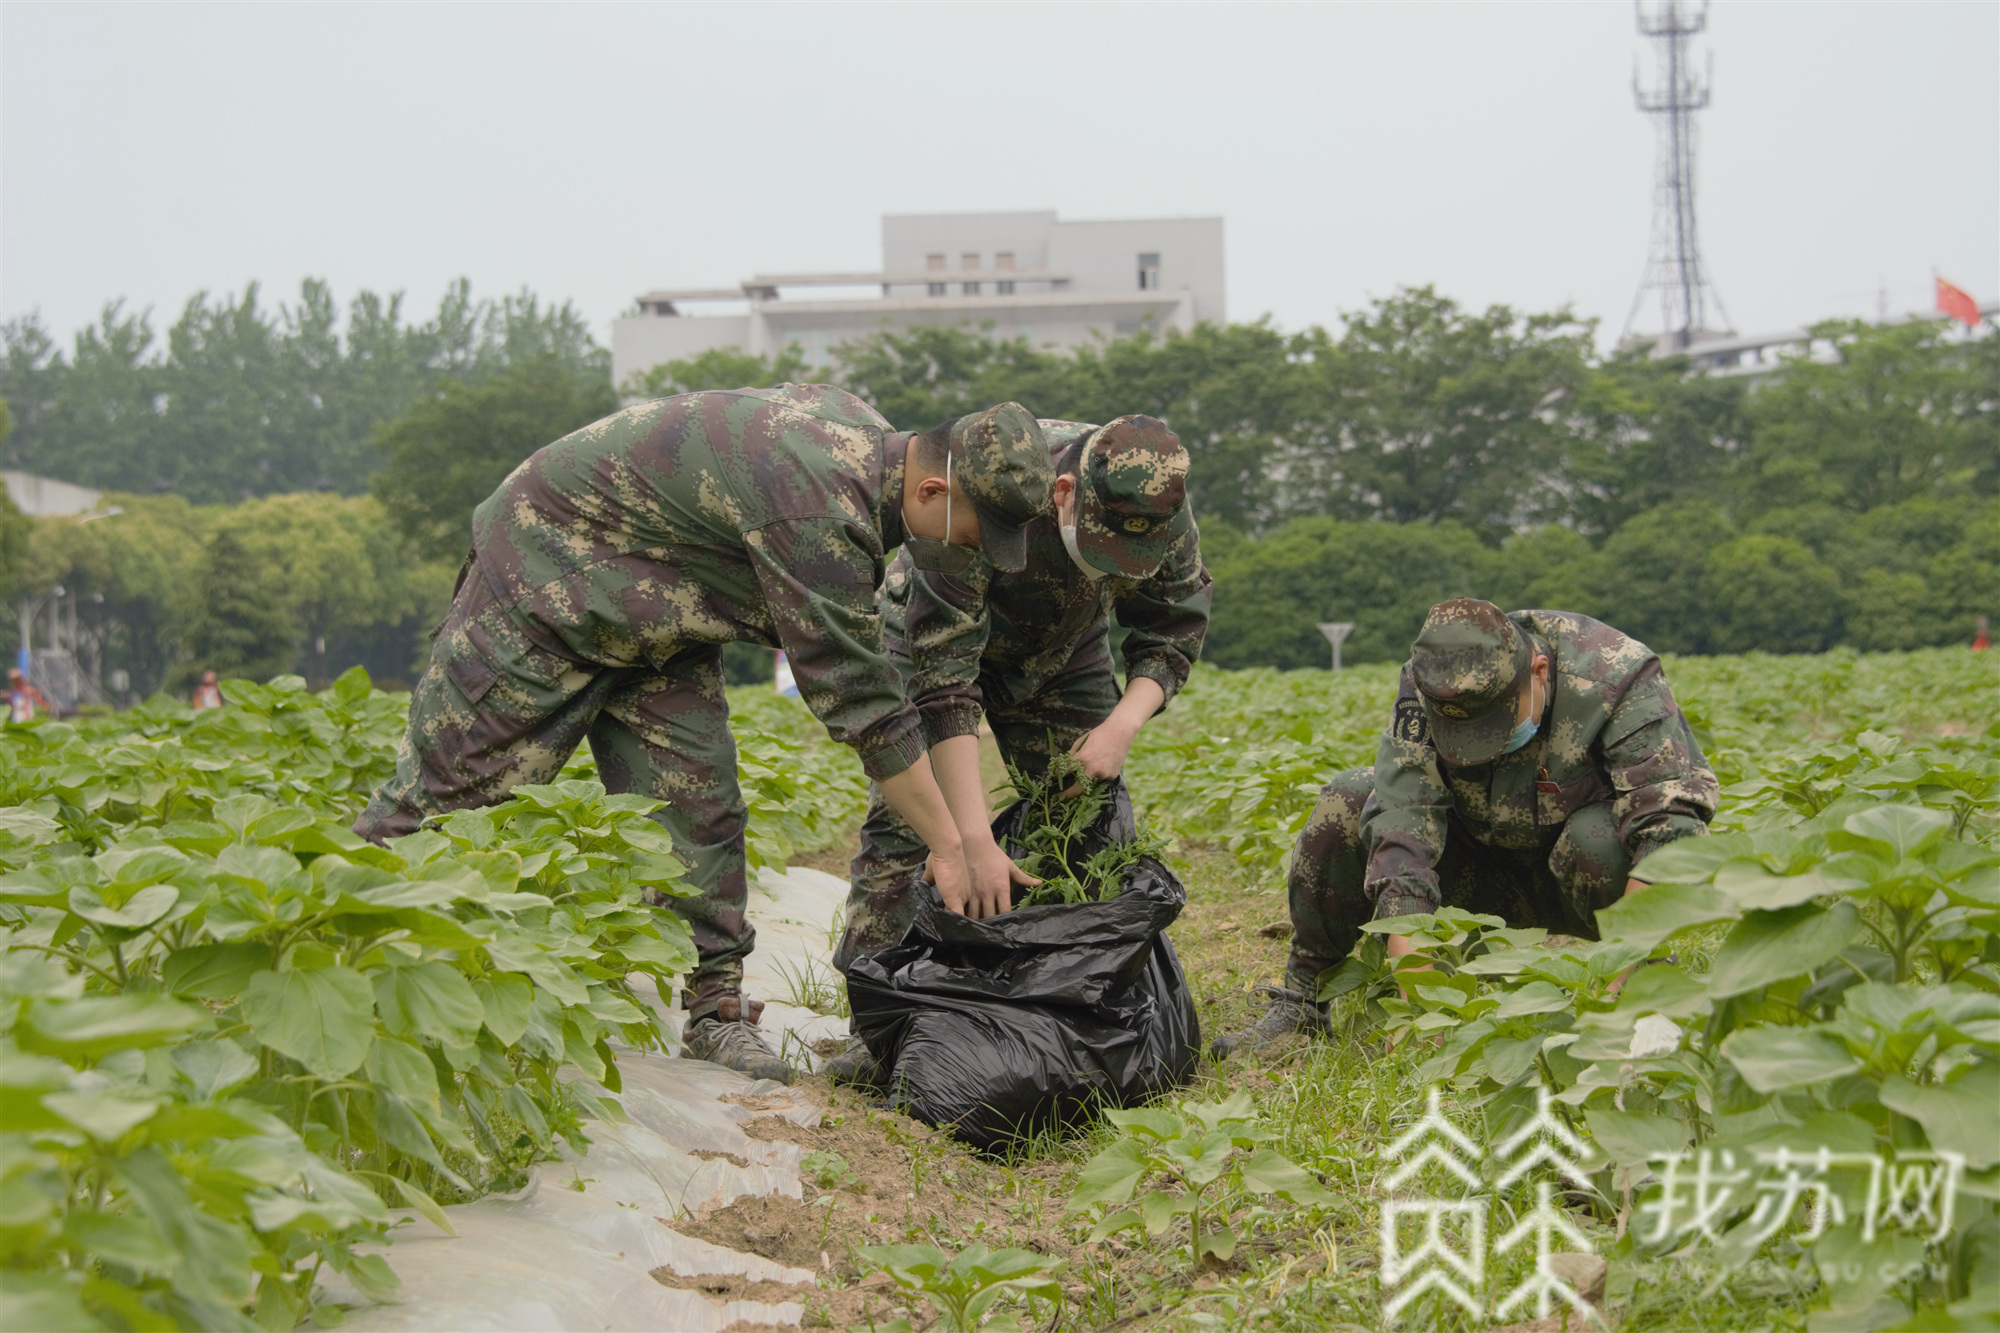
[1203, 1161]
[233, 1033]
[964, 1288]
[1056, 831]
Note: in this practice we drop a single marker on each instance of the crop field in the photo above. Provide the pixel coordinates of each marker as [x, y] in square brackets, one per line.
[236, 1037]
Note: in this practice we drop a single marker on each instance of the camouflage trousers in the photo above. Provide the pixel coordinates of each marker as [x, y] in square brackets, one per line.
[505, 703]
[1582, 866]
[881, 898]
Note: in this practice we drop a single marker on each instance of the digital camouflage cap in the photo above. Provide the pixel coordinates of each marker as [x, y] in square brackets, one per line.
[1001, 462]
[1469, 662]
[1131, 496]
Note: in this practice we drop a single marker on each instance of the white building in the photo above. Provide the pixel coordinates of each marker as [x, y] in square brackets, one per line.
[1023, 275]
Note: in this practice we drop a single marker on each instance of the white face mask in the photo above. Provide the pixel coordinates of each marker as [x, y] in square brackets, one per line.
[1067, 522]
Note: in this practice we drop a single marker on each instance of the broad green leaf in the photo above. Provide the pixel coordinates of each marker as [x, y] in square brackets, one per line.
[142, 909]
[25, 974]
[102, 1116]
[424, 1204]
[512, 954]
[1631, 1138]
[215, 1255]
[1906, 829]
[1749, 885]
[372, 1276]
[136, 866]
[1208, 1157]
[1962, 1116]
[1662, 988]
[1152, 1121]
[504, 999]
[1351, 973]
[1767, 947]
[122, 1238]
[430, 1000]
[1110, 1176]
[1158, 1209]
[1412, 924]
[1691, 860]
[324, 1019]
[232, 1119]
[1267, 1171]
[405, 1071]
[83, 1030]
[1650, 916]
[1218, 1241]
[1772, 1058]
[1537, 997]
[45, 1303]
[1115, 1222]
[213, 971]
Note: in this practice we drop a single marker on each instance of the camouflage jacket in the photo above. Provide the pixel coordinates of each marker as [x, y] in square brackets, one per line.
[762, 516]
[1611, 732]
[1014, 632]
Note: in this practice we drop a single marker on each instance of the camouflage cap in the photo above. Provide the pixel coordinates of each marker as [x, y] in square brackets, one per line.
[1469, 662]
[1131, 496]
[1001, 461]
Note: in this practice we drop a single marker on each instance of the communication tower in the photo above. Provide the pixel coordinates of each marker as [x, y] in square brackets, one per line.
[1690, 307]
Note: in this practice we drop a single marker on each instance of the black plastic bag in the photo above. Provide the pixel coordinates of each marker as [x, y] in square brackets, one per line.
[996, 1029]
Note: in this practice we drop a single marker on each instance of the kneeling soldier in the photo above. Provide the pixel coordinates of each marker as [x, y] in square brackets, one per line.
[1532, 759]
[1031, 651]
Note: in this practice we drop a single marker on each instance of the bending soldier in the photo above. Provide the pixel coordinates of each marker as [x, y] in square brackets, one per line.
[1030, 650]
[1531, 761]
[609, 569]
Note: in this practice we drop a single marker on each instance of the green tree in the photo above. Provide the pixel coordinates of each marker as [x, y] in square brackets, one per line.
[1964, 581]
[920, 376]
[1551, 568]
[716, 368]
[1249, 403]
[1651, 577]
[1771, 594]
[244, 627]
[451, 449]
[1271, 594]
[1899, 411]
[1438, 413]
[1646, 432]
[243, 400]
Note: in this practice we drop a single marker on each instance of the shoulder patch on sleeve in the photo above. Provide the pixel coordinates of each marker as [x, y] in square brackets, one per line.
[1410, 724]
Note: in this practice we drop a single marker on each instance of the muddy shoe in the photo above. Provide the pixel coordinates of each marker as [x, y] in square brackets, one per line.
[853, 1064]
[735, 1045]
[1290, 1015]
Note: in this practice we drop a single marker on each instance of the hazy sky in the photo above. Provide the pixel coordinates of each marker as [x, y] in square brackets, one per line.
[593, 152]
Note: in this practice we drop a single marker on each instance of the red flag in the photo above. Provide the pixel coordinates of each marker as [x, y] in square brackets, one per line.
[1957, 303]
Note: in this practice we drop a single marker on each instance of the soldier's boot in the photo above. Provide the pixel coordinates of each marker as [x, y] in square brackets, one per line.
[853, 1064]
[1290, 1014]
[729, 1037]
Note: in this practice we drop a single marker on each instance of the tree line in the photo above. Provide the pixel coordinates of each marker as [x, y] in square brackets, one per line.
[1419, 450]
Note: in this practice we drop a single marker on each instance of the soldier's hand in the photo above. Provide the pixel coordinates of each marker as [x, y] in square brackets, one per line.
[1102, 751]
[954, 884]
[990, 877]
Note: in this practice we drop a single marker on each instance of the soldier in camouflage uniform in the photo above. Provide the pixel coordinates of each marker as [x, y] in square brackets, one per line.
[1531, 761]
[1031, 651]
[609, 569]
